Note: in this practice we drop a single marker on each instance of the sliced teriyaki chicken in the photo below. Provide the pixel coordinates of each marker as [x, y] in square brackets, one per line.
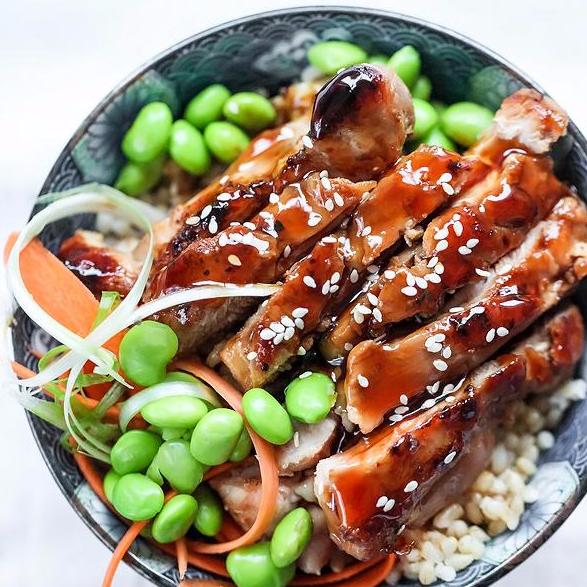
[404, 473]
[259, 251]
[488, 221]
[99, 266]
[552, 259]
[526, 120]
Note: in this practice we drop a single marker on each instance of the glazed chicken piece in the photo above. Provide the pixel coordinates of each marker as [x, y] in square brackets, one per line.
[259, 251]
[404, 473]
[552, 259]
[283, 326]
[488, 221]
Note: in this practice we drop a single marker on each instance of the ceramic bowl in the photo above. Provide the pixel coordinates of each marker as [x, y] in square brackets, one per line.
[269, 51]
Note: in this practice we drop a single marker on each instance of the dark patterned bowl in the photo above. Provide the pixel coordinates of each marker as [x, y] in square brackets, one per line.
[268, 51]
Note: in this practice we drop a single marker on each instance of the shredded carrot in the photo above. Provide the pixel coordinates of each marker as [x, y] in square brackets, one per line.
[206, 562]
[91, 475]
[218, 470]
[373, 577]
[181, 552]
[120, 551]
[265, 455]
[335, 577]
[230, 530]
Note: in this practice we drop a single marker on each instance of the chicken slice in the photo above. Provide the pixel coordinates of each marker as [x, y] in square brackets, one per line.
[259, 251]
[416, 467]
[490, 220]
[525, 284]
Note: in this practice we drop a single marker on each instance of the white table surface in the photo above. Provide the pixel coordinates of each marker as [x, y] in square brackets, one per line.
[57, 59]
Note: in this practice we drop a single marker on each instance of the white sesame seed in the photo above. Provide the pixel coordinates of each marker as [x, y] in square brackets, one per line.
[335, 277]
[464, 250]
[223, 240]
[456, 309]
[445, 177]
[305, 374]
[334, 288]
[389, 505]
[287, 321]
[402, 410]
[403, 399]
[329, 205]
[439, 269]
[213, 225]
[307, 142]
[442, 245]
[358, 317]
[338, 199]
[511, 303]
[234, 260]
[433, 388]
[482, 272]
[301, 351]
[250, 225]
[502, 331]
[325, 183]
[372, 269]
[440, 365]
[363, 381]
[363, 309]
[267, 334]
[432, 262]
[372, 299]
[382, 501]
[192, 220]
[410, 279]
[323, 173]
[477, 310]
[223, 197]
[299, 312]
[490, 335]
[411, 486]
[409, 291]
[273, 198]
[450, 399]
[299, 323]
[223, 179]
[252, 356]
[458, 228]
[326, 287]
[472, 243]
[482, 208]
[389, 274]
[348, 346]
[289, 333]
[377, 315]
[314, 219]
[439, 337]
[448, 189]
[428, 403]
[402, 528]
[433, 347]
[206, 211]
[449, 458]
[447, 352]
[329, 240]
[286, 251]
[354, 276]
[421, 283]
[396, 418]
[277, 327]
[433, 278]
[366, 231]
[309, 281]
[441, 233]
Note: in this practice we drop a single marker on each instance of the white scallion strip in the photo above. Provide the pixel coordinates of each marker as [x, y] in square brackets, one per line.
[132, 406]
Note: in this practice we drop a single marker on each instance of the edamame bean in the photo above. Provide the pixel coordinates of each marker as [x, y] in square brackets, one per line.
[330, 56]
[425, 118]
[225, 140]
[188, 149]
[145, 351]
[134, 451]
[210, 513]
[175, 519]
[422, 88]
[267, 416]
[464, 122]
[250, 111]
[406, 63]
[438, 138]
[440, 107]
[215, 436]
[174, 462]
[179, 411]
[137, 498]
[170, 433]
[378, 59]
[206, 107]
[290, 537]
[148, 135]
[180, 376]
[243, 447]
[309, 399]
[110, 480]
[137, 178]
[251, 566]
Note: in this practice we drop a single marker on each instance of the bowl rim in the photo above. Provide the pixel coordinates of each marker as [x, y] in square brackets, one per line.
[530, 547]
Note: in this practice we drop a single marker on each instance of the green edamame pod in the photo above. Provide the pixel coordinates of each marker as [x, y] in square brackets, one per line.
[310, 399]
[215, 436]
[422, 88]
[188, 149]
[406, 63]
[330, 56]
[180, 411]
[135, 179]
[174, 462]
[290, 537]
[251, 566]
[148, 135]
[146, 350]
[438, 138]
[210, 512]
[267, 417]
[225, 140]
[137, 498]
[206, 107]
[464, 122]
[175, 519]
[134, 451]
[110, 480]
[250, 111]
[243, 447]
[378, 59]
[170, 433]
[425, 118]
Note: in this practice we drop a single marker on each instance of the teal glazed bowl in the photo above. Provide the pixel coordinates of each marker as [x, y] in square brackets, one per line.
[269, 51]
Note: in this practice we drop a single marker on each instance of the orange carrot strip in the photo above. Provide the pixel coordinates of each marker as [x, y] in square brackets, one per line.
[120, 551]
[181, 552]
[330, 578]
[205, 562]
[230, 530]
[218, 470]
[373, 577]
[265, 454]
[91, 475]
